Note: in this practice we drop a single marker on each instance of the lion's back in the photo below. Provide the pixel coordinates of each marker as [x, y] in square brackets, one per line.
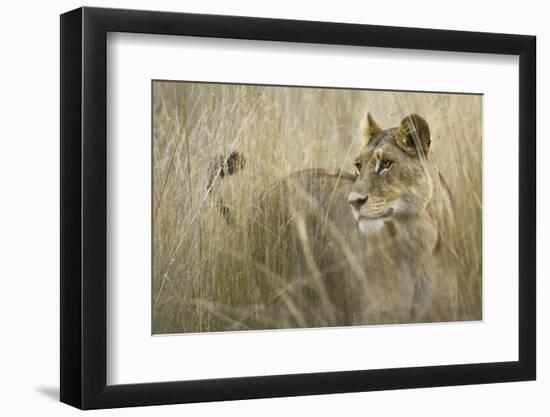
[309, 247]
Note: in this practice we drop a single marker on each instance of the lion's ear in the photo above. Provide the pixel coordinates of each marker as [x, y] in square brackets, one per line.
[413, 135]
[370, 128]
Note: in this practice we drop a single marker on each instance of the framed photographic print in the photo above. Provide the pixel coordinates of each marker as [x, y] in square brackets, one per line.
[257, 208]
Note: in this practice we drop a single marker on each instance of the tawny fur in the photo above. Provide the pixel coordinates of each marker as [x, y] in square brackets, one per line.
[325, 257]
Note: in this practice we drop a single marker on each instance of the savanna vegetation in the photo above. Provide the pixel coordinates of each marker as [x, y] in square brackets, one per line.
[206, 276]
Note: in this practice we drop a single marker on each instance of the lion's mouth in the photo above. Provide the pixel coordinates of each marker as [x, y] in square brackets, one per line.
[384, 215]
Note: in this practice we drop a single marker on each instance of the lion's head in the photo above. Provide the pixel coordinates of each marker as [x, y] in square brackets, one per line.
[393, 177]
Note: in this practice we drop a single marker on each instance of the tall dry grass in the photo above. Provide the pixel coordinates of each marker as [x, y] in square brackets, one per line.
[203, 272]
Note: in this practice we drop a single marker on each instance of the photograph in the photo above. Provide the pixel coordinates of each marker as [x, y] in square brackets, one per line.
[334, 203]
[285, 207]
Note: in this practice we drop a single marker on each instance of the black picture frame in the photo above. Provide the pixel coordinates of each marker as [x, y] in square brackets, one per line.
[84, 207]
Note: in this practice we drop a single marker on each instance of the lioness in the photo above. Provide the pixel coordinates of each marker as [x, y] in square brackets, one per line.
[334, 248]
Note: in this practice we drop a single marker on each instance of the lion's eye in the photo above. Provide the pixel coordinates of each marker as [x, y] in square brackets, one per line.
[358, 167]
[383, 165]
[386, 163]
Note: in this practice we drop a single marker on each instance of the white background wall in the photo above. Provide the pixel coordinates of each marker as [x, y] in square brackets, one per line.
[29, 226]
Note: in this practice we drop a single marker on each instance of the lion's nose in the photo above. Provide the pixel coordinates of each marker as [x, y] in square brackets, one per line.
[357, 200]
